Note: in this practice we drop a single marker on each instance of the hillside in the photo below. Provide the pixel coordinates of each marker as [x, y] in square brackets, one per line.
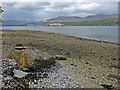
[96, 20]
[65, 18]
[98, 16]
[107, 21]
[14, 22]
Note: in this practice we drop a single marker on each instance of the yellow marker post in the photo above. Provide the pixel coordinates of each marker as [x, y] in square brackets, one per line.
[22, 59]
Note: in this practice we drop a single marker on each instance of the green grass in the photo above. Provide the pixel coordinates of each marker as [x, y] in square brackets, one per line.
[104, 22]
[108, 21]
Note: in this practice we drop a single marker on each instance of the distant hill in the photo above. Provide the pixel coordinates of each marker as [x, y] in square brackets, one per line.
[57, 20]
[65, 18]
[76, 18]
[97, 16]
[14, 22]
[106, 21]
[93, 20]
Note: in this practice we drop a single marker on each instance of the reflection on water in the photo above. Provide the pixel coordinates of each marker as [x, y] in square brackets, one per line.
[102, 33]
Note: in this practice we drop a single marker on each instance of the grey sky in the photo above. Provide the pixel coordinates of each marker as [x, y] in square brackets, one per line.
[44, 10]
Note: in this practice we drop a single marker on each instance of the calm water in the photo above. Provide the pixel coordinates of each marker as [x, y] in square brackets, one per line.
[101, 33]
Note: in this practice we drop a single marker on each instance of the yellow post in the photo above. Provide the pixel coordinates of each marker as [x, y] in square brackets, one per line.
[22, 59]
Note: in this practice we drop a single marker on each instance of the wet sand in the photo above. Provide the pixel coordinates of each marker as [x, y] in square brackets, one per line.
[88, 61]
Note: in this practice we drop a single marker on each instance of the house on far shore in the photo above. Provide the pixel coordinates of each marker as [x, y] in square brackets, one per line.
[55, 24]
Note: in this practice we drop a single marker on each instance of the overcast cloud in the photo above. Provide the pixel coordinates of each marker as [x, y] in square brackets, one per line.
[44, 10]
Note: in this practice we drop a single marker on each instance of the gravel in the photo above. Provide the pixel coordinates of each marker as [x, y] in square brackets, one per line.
[50, 77]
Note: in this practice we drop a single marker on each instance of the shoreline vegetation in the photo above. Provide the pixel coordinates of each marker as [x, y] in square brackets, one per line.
[89, 62]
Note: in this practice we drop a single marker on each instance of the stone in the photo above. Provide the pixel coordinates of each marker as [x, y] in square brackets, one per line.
[115, 66]
[93, 77]
[107, 86]
[60, 57]
[33, 59]
[72, 64]
[89, 68]
[25, 69]
[68, 53]
[19, 73]
[87, 63]
[45, 75]
[113, 58]
[19, 45]
[114, 76]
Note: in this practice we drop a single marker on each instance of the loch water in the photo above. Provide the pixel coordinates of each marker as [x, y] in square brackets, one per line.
[101, 33]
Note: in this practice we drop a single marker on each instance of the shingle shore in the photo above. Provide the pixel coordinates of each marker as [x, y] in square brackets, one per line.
[88, 61]
[54, 77]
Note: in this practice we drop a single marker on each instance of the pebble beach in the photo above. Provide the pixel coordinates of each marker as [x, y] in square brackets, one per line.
[55, 78]
[88, 63]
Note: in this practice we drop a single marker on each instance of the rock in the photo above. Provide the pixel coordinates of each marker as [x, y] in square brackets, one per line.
[60, 57]
[89, 68]
[115, 65]
[114, 76]
[20, 47]
[25, 69]
[19, 74]
[107, 86]
[32, 59]
[61, 49]
[87, 63]
[113, 58]
[19, 44]
[45, 75]
[93, 77]
[68, 53]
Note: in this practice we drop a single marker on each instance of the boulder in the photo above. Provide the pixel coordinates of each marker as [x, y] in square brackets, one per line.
[32, 59]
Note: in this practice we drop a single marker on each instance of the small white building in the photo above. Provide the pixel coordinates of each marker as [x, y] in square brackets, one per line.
[56, 24]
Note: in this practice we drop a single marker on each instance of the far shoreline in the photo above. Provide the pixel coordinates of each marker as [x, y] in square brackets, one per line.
[65, 35]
